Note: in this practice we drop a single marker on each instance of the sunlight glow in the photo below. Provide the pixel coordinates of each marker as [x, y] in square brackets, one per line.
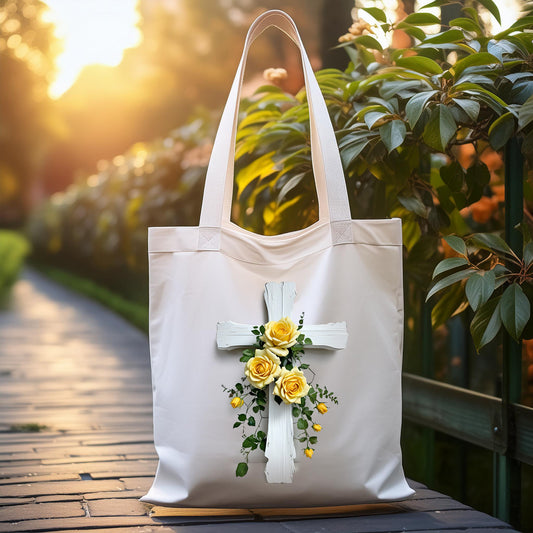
[92, 32]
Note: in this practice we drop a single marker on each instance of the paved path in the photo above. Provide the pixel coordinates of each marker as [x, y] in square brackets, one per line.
[81, 371]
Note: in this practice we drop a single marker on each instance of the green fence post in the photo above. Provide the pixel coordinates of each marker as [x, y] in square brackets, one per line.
[507, 479]
[428, 371]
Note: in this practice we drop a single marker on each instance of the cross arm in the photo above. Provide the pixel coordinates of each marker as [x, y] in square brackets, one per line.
[327, 336]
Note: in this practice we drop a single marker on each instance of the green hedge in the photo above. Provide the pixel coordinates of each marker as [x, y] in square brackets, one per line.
[13, 250]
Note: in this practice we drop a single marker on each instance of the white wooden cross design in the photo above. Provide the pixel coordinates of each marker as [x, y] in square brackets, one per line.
[279, 298]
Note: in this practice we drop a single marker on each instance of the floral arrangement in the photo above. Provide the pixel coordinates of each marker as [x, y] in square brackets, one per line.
[276, 358]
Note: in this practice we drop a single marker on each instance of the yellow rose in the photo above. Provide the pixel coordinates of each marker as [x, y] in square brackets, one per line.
[321, 407]
[309, 452]
[279, 336]
[291, 386]
[317, 427]
[262, 368]
[236, 402]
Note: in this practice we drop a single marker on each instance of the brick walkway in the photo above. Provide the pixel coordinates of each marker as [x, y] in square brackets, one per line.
[73, 366]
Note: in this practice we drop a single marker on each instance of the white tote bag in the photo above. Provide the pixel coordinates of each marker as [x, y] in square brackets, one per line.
[343, 271]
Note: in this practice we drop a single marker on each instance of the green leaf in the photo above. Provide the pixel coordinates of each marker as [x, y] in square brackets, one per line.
[263, 444]
[236, 425]
[295, 412]
[251, 421]
[369, 42]
[528, 254]
[456, 243]
[501, 130]
[419, 19]
[481, 58]
[242, 469]
[449, 304]
[449, 36]
[491, 242]
[469, 106]
[453, 176]
[392, 134]
[515, 310]
[351, 151]
[416, 105]
[377, 13]
[302, 423]
[479, 288]
[374, 116]
[261, 434]
[413, 204]
[486, 323]
[420, 64]
[248, 442]
[467, 25]
[449, 280]
[450, 263]
[242, 417]
[493, 8]
[525, 113]
[440, 128]
[313, 439]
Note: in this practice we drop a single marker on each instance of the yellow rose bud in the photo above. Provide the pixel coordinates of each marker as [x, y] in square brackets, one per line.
[322, 408]
[291, 385]
[236, 402]
[317, 427]
[279, 336]
[309, 452]
[262, 368]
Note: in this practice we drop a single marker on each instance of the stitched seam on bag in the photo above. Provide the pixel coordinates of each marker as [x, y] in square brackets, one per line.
[192, 250]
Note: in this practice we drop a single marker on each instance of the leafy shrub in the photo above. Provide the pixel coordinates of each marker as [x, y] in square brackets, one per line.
[13, 249]
[419, 130]
[404, 119]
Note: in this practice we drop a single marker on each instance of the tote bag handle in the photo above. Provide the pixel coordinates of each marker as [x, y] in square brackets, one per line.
[327, 166]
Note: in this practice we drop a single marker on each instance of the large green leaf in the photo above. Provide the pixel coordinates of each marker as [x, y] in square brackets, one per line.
[515, 310]
[492, 7]
[440, 128]
[374, 116]
[392, 134]
[469, 106]
[528, 254]
[525, 113]
[419, 19]
[491, 242]
[261, 168]
[449, 280]
[352, 150]
[501, 130]
[451, 303]
[449, 36]
[377, 13]
[420, 64]
[416, 105]
[453, 175]
[486, 323]
[467, 25]
[479, 288]
[456, 243]
[413, 204]
[369, 42]
[481, 58]
[450, 263]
